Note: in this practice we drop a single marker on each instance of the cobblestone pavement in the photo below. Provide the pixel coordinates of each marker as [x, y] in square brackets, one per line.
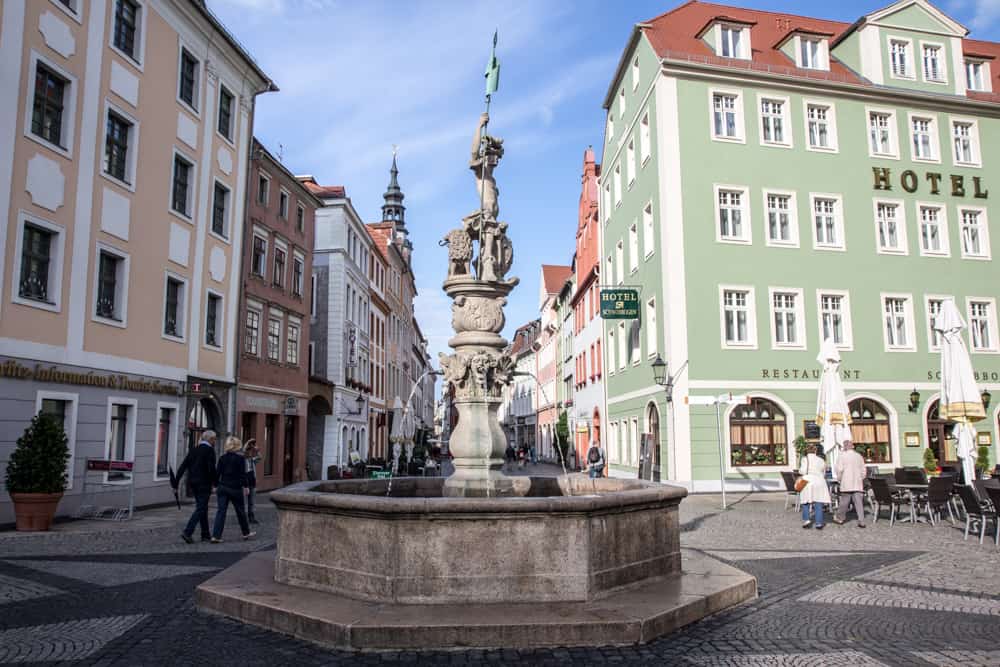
[93, 593]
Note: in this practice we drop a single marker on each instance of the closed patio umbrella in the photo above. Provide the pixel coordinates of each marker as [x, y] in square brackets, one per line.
[832, 414]
[960, 399]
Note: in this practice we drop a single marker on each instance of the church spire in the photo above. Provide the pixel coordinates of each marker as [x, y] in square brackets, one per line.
[393, 210]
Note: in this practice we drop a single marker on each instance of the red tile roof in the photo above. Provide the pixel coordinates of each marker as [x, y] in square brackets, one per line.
[323, 191]
[381, 234]
[554, 277]
[674, 36]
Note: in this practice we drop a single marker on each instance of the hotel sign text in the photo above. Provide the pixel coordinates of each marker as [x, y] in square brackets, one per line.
[910, 182]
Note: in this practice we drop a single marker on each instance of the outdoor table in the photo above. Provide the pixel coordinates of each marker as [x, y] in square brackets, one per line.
[910, 488]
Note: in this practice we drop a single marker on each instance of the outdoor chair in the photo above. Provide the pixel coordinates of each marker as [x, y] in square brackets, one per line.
[911, 475]
[884, 496]
[976, 511]
[938, 496]
[790, 493]
[980, 486]
[994, 495]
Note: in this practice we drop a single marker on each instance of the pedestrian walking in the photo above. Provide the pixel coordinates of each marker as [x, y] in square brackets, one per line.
[531, 454]
[252, 457]
[595, 460]
[510, 456]
[850, 469]
[232, 486]
[815, 494]
[199, 465]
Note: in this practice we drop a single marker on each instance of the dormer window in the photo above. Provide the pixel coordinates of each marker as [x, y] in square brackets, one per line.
[976, 75]
[731, 42]
[899, 56]
[809, 53]
[933, 67]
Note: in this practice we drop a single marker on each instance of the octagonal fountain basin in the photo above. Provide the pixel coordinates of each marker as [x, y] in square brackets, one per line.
[569, 561]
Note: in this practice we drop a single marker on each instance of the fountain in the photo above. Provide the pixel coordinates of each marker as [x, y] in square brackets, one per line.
[478, 559]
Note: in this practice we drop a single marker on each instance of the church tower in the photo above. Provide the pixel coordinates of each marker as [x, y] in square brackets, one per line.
[394, 212]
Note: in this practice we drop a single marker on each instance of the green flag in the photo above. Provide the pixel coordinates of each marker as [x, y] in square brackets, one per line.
[493, 70]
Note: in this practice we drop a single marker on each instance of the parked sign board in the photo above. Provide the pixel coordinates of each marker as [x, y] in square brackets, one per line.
[104, 464]
[620, 304]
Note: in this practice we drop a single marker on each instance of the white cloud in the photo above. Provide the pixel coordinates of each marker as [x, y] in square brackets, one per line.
[984, 13]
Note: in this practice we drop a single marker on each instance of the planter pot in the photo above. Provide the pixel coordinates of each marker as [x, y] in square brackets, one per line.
[34, 511]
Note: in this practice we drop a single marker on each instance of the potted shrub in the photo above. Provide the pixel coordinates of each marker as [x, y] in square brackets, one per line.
[982, 460]
[930, 461]
[36, 473]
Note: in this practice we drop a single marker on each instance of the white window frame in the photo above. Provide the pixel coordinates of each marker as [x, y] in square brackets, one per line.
[199, 76]
[131, 159]
[994, 348]
[610, 129]
[746, 238]
[72, 410]
[793, 218]
[610, 351]
[651, 332]
[619, 262]
[121, 284]
[267, 193]
[740, 122]
[644, 139]
[139, 58]
[623, 340]
[68, 131]
[258, 308]
[911, 345]
[648, 231]
[133, 414]
[935, 138]
[297, 323]
[633, 247]
[621, 101]
[799, 312]
[984, 233]
[231, 139]
[606, 202]
[73, 11]
[751, 343]
[299, 208]
[280, 244]
[985, 74]
[929, 318]
[279, 316]
[910, 73]
[893, 153]
[831, 125]
[192, 186]
[181, 308]
[172, 444]
[635, 73]
[943, 233]
[838, 216]
[263, 235]
[220, 321]
[845, 316]
[942, 58]
[786, 125]
[616, 179]
[56, 261]
[630, 163]
[744, 40]
[903, 247]
[974, 143]
[283, 214]
[228, 218]
[822, 52]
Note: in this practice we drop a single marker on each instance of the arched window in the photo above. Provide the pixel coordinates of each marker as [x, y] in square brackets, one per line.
[939, 438]
[758, 434]
[653, 429]
[870, 430]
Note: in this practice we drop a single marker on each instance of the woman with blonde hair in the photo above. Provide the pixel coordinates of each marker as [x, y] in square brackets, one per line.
[231, 487]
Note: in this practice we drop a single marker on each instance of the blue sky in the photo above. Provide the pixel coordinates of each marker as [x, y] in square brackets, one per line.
[358, 77]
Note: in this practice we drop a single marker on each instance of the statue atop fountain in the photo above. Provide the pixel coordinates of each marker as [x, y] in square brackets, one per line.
[479, 256]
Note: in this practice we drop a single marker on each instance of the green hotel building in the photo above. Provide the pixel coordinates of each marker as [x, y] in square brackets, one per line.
[771, 180]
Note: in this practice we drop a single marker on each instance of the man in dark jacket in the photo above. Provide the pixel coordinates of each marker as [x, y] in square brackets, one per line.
[199, 465]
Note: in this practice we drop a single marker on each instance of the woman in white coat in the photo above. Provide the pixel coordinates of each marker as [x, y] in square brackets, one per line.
[816, 493]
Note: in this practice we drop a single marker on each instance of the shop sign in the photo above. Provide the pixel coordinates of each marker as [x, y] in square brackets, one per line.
[804, 374]
[291, 406]
[980, 376]
[106, 465]
[262, 403]
[620, 304]
[39, 373]
[910, 182]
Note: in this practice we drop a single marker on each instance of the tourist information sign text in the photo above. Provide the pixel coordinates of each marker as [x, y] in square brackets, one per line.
[620, 304]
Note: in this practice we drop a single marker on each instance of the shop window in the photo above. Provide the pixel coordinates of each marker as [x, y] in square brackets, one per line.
[758, 434]
[870, 430]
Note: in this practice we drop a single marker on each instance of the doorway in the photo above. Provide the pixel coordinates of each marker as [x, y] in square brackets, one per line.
[653, 420]
[288, 472]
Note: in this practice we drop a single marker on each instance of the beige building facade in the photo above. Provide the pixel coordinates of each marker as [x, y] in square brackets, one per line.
[124, 135]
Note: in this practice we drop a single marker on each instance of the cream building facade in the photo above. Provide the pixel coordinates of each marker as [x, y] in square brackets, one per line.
[125, 127]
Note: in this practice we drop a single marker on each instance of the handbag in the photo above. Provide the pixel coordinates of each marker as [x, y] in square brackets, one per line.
[802, 482]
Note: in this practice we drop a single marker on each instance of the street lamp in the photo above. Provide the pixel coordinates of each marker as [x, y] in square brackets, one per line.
[663, 378]
[986, 396]
[914, 400]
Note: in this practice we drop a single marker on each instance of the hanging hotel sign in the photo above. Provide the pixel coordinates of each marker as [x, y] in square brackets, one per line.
[620, 304]
[39, 373]
[909, 180]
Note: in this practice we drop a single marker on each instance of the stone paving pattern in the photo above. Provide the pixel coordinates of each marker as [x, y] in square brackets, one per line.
[906, 595]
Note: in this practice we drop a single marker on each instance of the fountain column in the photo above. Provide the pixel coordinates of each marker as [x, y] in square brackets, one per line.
[479, 370]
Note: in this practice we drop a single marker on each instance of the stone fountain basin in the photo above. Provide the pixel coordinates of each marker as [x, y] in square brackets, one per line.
[565, 539]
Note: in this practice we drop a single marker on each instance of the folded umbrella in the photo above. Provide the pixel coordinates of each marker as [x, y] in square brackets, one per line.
[173, 485]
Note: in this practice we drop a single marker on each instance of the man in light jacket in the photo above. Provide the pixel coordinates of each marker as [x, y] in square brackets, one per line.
[850, 469]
